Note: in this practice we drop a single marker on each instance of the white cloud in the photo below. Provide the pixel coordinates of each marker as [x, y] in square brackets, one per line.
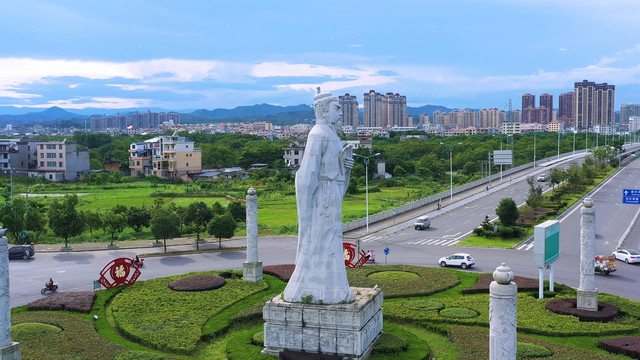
[105, 103]
[563, 49]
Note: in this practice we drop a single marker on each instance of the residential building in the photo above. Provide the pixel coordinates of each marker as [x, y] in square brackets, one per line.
[440, 117]
[555, 126]
[7, 148]
[169, 157]
[627, 111]
[565, 108]
[293, 153]
[424, 119]
[491, 118]
[61, 160]
[146, 120]
[350, 111]
[384, 110]
[634, 123]
[594, 104]
[511, 128]
[546, 108]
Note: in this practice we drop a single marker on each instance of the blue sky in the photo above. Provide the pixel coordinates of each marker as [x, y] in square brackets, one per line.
[187, 55]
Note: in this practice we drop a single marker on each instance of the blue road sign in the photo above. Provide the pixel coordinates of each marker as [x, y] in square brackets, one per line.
[386, 251]
[23, 235]
[631, 196]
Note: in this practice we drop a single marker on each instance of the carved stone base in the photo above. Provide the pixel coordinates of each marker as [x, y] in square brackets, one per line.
[252, 271]
[348, 330]
[587, 300]
[10, 352]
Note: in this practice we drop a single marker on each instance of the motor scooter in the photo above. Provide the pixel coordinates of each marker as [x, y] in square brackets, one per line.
[52, 287]
[138, 261]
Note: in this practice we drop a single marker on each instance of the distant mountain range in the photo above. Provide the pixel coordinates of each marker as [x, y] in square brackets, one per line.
[280, 115]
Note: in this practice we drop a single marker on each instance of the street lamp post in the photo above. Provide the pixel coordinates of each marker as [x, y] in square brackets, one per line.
[366, 181]
[574, 141]
[558, 143]
[534, 149]
[450, 170]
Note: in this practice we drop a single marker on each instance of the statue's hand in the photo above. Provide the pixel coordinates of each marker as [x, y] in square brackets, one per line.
[348, 163]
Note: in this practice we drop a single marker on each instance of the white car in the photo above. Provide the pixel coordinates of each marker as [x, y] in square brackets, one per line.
[629, 256]
[460, 259]
[542, 178]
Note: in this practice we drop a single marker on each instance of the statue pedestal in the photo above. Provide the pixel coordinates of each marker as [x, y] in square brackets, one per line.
[10, 352]
[348, 330]
[252, 271]
[587, 300]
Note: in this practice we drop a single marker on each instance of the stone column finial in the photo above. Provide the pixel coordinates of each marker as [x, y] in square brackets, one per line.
[252, 269]
[587, 292]
[502, 315]
[8, 349]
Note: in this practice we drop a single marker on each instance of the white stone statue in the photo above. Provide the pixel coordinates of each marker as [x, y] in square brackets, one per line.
[321, 182]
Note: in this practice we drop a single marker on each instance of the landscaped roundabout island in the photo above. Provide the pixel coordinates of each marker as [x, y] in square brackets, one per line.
[428, 312]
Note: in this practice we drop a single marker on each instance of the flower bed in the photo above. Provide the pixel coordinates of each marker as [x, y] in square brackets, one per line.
[149, 313]
[81, 301]
[533, 317]
[429, 280]
[628, 346]
[77, 340]
[482, 286]
[567, 306]
[197, 283]
[283, 272]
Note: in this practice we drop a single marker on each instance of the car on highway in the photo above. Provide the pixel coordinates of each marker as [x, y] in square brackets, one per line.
[542, 177]
[421, 223]
[629, 256]
[459, 259]
[21, 252]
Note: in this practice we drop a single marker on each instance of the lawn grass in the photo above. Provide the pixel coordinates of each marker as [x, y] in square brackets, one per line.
[477, 240]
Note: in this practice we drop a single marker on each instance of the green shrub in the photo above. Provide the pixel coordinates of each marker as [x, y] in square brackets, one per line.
[241, 347]
[429, 280]
[393, 276]
[258, 338]
[33, 331]
[529, 350]
[390, 344]
[142, 355]
[458, 313]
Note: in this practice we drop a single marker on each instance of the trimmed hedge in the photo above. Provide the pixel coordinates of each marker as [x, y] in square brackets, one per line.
[423, 305]
[533, 317]
[430, 280]
[473, 343]
[143, 355]
[529, 350]
[148, 313]
[568, 306]
[458, 313]
[283, 272]
[484, 280]
[390, 344]
[77, 340]
[240, 346]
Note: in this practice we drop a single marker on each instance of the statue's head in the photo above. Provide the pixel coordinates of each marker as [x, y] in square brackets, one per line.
[328, 111]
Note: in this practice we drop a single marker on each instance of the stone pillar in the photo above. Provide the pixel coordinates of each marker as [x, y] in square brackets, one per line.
[8, 350]
[502, 315]
[252, 268]
[587, 292]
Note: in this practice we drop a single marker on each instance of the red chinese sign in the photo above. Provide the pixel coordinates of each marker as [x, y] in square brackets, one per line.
[119, 271]
[350, 259]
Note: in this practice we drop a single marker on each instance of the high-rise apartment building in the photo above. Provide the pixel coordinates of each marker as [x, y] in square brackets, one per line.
[627, 111]
[565, 108]
[491, 118]
[528, 108]
[594, 104]
[546, 103]
[384, 110]
[350, 112]
[439, 117]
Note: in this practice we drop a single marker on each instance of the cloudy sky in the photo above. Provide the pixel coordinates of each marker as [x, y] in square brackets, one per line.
[186, 55]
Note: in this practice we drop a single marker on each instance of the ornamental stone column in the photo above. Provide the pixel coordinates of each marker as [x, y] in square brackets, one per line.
[252, 269]
[587, 292]
[9, 350]
[502, 315]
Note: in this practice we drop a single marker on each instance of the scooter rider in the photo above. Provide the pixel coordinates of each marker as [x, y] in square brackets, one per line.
[50, 283]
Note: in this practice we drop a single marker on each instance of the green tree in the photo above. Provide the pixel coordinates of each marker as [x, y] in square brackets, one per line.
[165, 225]
[64, 220]
[217, 208]
[508, 212]
[237, 210]
[198, 214]
[138, 217]
[154, 179]
[556, 177]
[35, 222]
[114, 223]
[222, 226]
[93, 219]
[12, 216]
[535, 193]
[574, 176]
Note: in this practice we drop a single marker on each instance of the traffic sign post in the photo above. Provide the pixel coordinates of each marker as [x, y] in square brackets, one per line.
[631, 196]
[386, 252]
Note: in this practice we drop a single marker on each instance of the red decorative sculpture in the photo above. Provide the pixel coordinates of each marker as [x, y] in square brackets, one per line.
[350, 256]
[119, 271]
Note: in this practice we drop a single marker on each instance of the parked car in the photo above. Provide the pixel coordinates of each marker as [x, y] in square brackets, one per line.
[460, 259]
[629, 256]
[542, 177]
[21, 252]
[421, 223]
